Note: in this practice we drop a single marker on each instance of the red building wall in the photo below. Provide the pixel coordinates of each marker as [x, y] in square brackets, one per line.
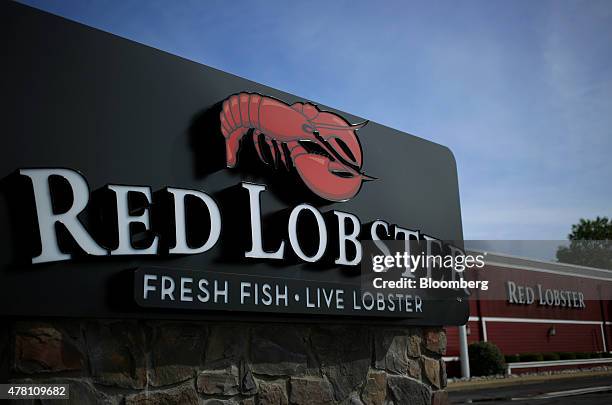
[521, 328]
[494, 301]
[533, 337]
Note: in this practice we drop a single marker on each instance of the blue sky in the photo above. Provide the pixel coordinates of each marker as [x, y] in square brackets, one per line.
[521, 91]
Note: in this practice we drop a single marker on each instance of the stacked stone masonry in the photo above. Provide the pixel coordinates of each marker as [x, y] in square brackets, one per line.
[158, 362]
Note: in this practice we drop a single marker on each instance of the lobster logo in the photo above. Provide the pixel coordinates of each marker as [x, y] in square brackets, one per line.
[322, 146]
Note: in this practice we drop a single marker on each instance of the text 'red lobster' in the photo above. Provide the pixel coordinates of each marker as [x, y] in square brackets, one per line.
[322, 146]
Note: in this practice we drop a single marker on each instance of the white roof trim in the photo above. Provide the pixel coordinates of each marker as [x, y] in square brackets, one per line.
[571, 270]
[540, 270]
[539, 320]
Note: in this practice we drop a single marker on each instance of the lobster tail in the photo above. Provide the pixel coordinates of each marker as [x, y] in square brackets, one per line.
[267, 115]
[240, 112]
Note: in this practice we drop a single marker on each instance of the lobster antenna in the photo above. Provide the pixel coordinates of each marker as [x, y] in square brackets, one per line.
[360, 125]
[351, 127]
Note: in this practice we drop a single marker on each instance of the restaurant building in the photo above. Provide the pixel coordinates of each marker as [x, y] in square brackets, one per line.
[537, 308]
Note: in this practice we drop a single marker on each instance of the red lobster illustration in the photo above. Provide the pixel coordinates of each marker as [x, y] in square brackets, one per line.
[322, 146]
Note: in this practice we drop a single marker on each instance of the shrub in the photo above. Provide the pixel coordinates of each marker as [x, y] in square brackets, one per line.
[580, 355]
[606, 355]
[532, 357]
[595, 355]
[512, 358]
[567, 355]
[551, 356]
[486, 359]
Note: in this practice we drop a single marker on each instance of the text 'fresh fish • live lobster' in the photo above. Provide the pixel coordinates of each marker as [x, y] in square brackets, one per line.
[322, 146]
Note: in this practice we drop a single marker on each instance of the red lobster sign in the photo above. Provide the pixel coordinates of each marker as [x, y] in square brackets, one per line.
[322, 146]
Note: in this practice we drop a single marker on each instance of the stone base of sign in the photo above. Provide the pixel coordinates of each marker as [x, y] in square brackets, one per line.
[158, 362]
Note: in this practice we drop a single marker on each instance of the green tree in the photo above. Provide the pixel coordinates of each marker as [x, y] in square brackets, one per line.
[590, 244]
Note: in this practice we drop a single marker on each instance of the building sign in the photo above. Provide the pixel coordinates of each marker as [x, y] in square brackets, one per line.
[543, 296]
[139, 184]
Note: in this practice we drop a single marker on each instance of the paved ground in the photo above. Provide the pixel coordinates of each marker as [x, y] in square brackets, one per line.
[580, 390]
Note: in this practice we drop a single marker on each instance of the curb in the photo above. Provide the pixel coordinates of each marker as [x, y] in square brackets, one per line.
[500, 382]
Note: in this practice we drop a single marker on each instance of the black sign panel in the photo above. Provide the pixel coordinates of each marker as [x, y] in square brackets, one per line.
[125, 131]
[202, 290]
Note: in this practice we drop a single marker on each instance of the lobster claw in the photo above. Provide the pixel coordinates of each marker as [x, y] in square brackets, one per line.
[329, 179]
